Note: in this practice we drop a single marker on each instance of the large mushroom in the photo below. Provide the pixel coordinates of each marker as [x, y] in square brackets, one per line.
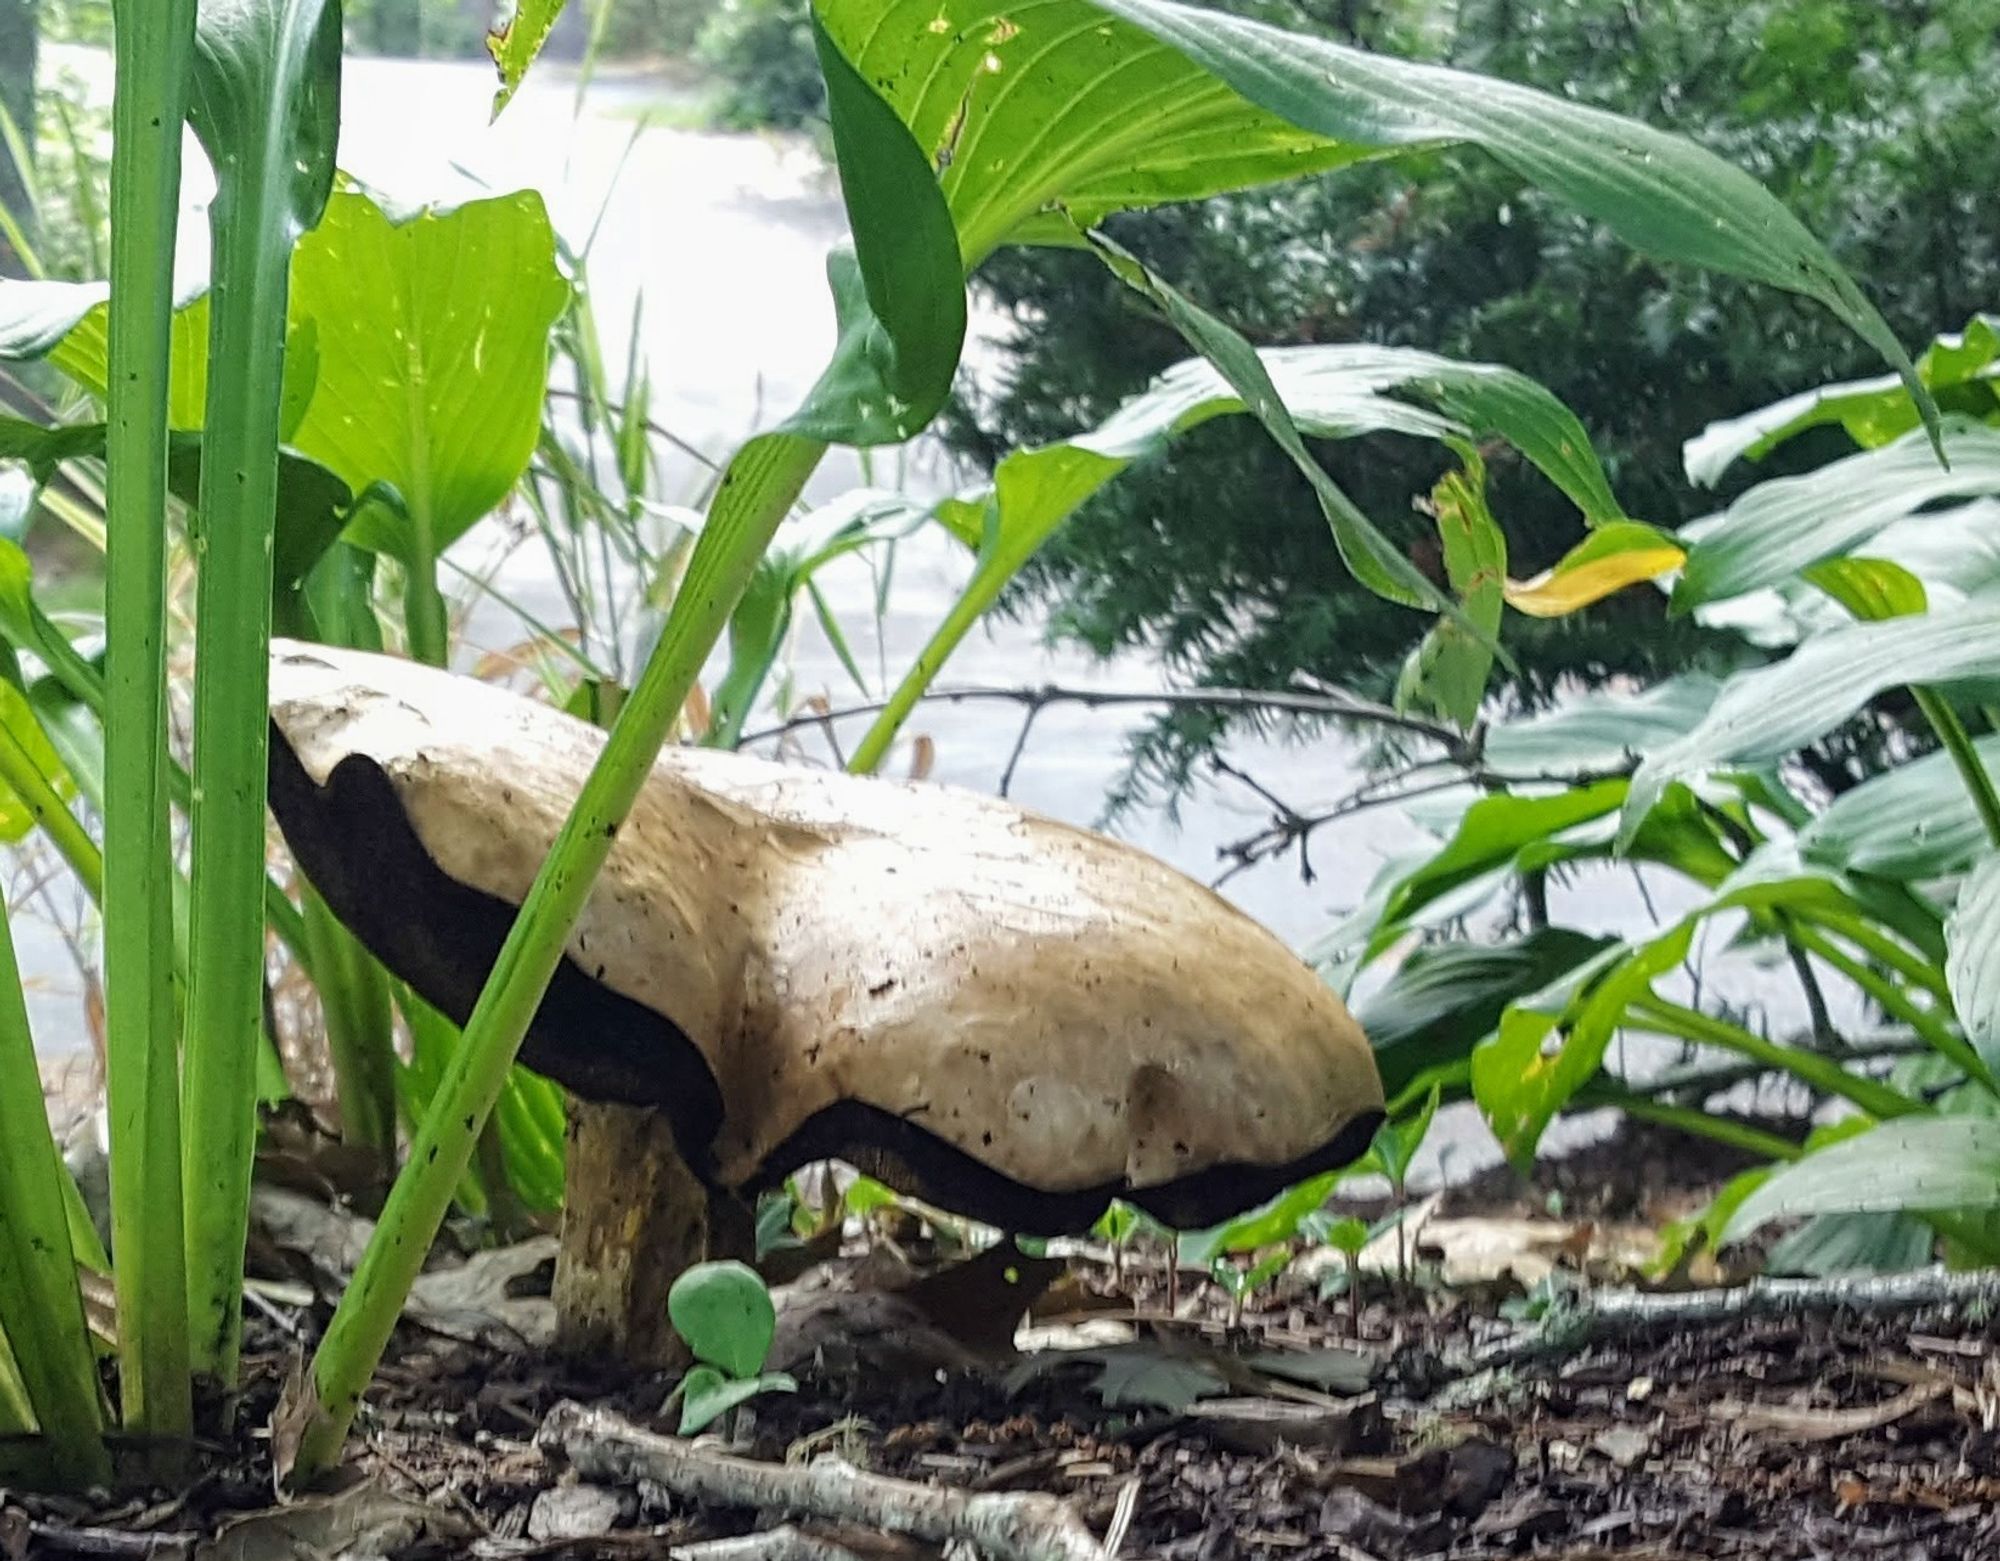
[1006, 1016]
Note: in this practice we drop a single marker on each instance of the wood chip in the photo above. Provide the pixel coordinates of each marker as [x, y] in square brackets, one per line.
[1262, 1425]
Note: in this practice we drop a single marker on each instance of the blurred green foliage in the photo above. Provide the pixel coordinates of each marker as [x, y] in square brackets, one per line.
[761, 53]
[1863, 115]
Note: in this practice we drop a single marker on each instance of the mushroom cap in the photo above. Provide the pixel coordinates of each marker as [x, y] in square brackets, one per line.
[1010, 1016]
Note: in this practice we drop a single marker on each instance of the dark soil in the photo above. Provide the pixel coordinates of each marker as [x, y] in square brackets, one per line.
[1768, 1440]
[1781, 1439]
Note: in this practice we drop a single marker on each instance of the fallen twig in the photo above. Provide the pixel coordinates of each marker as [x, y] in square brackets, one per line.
[784, 1543]
[1121, 1519]
[1628, 1315]
[55, 1539]
[1007, 1527]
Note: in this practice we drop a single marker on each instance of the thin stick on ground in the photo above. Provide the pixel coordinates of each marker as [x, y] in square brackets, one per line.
[1629, 1315]
[1006, 1527]
[784, 1543]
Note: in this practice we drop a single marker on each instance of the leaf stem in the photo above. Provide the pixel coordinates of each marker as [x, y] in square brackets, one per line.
[1812, 1068]
[1928, 1023]
[1958, 743]
[25, 779]
[763, 481]
[1690, 1119]
[988, 579]
[153, 42]
[264, 85]
[41, 1307]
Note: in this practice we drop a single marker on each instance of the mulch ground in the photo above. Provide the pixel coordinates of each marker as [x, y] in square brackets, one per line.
[1826, 1436]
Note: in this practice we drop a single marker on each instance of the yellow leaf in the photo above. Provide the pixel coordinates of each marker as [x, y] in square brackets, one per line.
[1577, 583]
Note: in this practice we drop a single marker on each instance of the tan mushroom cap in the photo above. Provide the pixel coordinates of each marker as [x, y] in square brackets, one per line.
[847, 954]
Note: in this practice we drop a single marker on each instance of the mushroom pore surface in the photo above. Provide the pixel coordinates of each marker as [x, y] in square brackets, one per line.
[1010, 1017]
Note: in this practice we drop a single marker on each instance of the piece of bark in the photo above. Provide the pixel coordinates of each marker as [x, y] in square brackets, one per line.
[1262, 1425]
[602, 1446]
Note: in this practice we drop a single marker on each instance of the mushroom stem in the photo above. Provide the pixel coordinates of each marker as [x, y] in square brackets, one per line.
[634, 1217]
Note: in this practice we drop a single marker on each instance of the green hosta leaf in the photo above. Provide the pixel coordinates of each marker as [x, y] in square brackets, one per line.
[530, 1118]
[1041, 119]
[1448, 669]
[1326, 392]
[1240, 1283]
[1954, 553]
[1702, 1230]
[1871, 589]
[1962, 371]
[1658, 192]
[1913, 1164]
[79, 345]
[17, 819]
[312, 503]
[1332, 392]
[900, 297]
[899, 294]
[1369, 555]
[1831, 1244]
[1780, 527]
[1600, 731]
[1275, 1221]
[1548, 1046]
[707, 1395]
[1767, 713]
[1491, 834]
[1446, 998]
[724, 1313]
[432, 334]
[1352, 941]
[1501, 837]
[42, 449]
[1776, 877]
[1910, 823]
[1348, 1234]
[76, 735]
[516, 42]
[36, 317]
[1972, 938]
[26, 627]
[250, 54]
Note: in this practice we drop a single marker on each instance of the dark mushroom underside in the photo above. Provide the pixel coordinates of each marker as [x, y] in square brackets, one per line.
[351, 838]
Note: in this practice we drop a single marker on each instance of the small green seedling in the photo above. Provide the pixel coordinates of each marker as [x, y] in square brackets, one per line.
[1350, 1237]
[1395, 1151]
[725, 1314]
[1240, 1283]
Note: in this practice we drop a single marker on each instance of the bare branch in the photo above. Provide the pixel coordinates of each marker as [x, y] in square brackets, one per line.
[1321, 703]
[1632, 1315]
[1009, 1527]
[1020, 745]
